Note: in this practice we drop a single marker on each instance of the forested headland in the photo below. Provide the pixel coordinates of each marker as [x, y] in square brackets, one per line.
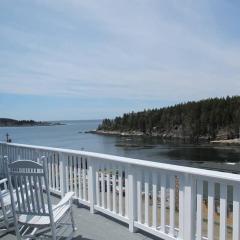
[209, 119]
[8, 122]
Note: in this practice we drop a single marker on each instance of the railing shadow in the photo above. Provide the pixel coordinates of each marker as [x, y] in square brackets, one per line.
[80, 237]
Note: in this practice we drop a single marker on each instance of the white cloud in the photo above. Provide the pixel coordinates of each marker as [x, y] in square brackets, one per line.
[144, 50]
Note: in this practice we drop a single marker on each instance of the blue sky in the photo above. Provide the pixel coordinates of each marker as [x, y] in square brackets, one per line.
[90, 59]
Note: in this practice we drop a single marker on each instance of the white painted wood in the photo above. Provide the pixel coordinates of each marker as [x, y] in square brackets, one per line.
[25, 186]
[49, 172]
[132, 198]
[189, 207]
[154, 199]
[114, 188]
[53, 171]
[211, 206]
[108, 188]
[66, 170]
[137, 162]
[146, 196]
[120, 190]
[47, 216]
[84, 170]
[236, 212]
[75, 175]
[32, 194]
[57, 172]
[187, 196]
[181, 207]
[139, 195]
[97, 184]
[102, 186]
[163, 202]
[126, 207]
[223, 211]
[40, 184]
[80, 188]
[92, 184]
[5, 204]
[22, 194]
[199, 209]
[36, 191]
[71, 172]
[62, 174]
[172, 206]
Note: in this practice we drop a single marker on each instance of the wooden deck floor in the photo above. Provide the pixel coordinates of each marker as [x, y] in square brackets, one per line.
[97, 227]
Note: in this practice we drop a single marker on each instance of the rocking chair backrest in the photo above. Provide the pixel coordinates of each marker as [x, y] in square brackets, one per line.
[27, 183]
[3, 166]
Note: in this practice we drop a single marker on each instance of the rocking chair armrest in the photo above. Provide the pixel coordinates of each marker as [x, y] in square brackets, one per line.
[67, 198]
[4, 180]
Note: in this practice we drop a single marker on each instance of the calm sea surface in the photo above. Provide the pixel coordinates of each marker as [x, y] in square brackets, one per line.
[73, 136]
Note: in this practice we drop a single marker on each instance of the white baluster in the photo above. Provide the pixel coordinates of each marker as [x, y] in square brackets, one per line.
[84, 170]
[108, 187]
[114, 188]
[172, 206]
[154, 197]
[103, 185]
[199, 208]
[146, 188]
[120, 190]
[71, 172]
[80, 178]
[57, 170]
[236, 211]
[181, 207]
[189, 207]
[163, 202]
[132, 197]
[91, 184]
[139, 195]
[126, 191]
[223, 211]
[97, 183]
[63, 177]
[211, 208]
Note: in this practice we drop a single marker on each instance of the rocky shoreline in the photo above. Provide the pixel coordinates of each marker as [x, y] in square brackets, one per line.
[168, 136]
[164, 135]
[235, 141]
[116, 133]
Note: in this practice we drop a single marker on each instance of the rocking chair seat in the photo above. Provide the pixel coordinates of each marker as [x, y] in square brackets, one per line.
[59, 212]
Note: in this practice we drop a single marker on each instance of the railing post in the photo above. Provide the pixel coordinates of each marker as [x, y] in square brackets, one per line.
[132, 197]
[91, 184]
[189, 207]
[62, 174]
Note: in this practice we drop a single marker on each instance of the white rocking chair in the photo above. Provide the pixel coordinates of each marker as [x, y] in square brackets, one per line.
[34, 215]
[6, 219]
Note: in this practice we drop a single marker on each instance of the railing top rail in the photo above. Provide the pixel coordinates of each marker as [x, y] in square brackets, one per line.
[138, 162]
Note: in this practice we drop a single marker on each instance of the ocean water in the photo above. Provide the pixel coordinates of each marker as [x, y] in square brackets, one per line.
[72, 136]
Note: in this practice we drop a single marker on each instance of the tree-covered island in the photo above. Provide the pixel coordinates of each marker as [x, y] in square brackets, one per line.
[8, 122]
[210, 119]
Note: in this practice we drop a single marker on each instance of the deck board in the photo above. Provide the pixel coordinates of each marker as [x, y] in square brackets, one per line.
[97, 227]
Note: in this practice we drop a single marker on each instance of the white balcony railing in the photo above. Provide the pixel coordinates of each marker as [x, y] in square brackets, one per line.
[169, 201]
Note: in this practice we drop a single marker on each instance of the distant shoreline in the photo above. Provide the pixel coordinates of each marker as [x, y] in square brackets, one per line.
[34, 125]
[6, 122]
